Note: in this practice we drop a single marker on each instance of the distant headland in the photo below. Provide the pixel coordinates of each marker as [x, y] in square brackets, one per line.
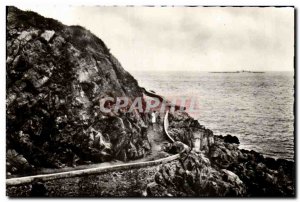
[242, 71]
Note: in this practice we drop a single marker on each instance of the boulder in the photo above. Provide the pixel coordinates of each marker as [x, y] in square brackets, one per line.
[231, 139]
[48, 34]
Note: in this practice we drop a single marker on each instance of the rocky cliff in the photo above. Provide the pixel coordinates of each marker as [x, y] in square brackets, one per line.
[56, 75]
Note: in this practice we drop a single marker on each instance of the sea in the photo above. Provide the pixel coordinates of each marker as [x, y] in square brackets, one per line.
[258, 108]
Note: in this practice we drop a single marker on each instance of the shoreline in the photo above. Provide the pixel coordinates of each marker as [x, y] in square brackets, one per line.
[248, 147]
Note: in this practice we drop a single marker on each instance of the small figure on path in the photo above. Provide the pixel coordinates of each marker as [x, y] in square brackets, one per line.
[153, 120]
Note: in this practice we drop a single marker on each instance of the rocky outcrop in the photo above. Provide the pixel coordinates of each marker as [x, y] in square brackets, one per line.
[194, 175]
[56, 77]
[187, 130]
[224, 171]
[262, 176]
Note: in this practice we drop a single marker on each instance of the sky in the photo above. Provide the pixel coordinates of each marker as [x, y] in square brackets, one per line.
[188, 38]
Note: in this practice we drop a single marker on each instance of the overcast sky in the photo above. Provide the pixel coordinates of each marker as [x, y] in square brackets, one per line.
[194, 38]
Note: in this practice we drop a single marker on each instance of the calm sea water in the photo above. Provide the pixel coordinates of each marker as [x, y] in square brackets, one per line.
[257, 108]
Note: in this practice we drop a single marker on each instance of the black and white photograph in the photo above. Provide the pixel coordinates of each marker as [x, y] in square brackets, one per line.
[149, 101]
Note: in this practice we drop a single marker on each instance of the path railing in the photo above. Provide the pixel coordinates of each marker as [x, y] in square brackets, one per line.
[166, 126]
[89, 171]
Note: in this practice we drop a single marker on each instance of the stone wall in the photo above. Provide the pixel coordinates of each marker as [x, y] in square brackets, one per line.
[123, 180]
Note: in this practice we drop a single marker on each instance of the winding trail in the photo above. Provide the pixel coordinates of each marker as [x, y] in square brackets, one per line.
[157, 139]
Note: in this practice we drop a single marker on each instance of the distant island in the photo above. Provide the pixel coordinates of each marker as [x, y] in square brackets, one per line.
[242, 71]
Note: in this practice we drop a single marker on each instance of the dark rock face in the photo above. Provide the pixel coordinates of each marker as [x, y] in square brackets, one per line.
[262, 180]
[231, 139]
[262, 176]
[56, 76]
[182, 127]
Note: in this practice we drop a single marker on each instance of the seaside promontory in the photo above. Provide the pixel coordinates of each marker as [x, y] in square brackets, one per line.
[56, 75]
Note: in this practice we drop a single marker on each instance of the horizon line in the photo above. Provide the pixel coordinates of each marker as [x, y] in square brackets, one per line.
[209, 71]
